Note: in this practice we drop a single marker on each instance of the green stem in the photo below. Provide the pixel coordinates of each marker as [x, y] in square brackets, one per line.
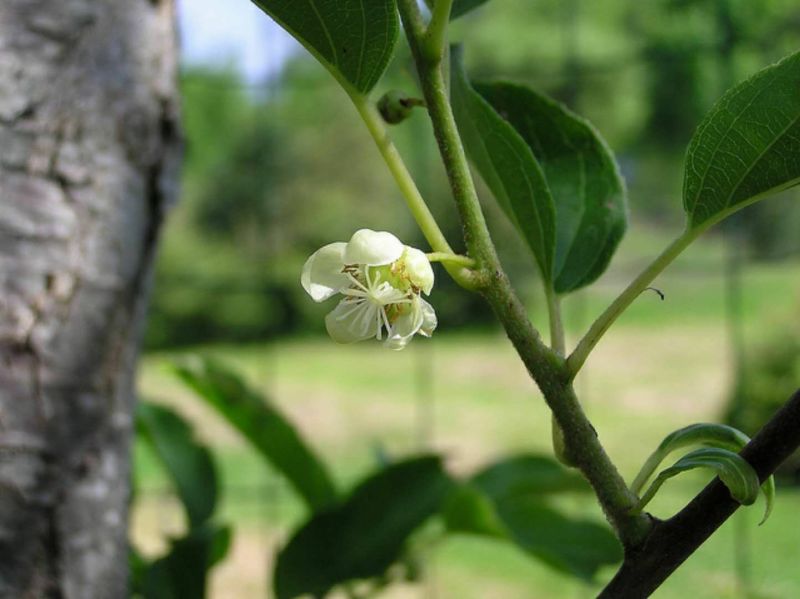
[557, 337]
[576, 361]
[558, 345]
[414, 200]
[443, 257]
[575, 438]
[435, 38]
[545, 366]
[434, 88]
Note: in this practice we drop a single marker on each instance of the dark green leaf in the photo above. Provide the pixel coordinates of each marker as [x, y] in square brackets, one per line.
[505, 502]
[579, 547]
[156, 582]
[708, 434]
[508, 167]
[354, 39]
[261, 424]
[188, 462]
[470, 510]
[364, 535]
[528, 475]
[583, 177]
[220, 545]
[732, 470]
[137, 567]
[461, 7]
[183, 572]
[747, 147]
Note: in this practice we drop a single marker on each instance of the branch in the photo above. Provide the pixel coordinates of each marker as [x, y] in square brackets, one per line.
[546, 367]
[672, 541]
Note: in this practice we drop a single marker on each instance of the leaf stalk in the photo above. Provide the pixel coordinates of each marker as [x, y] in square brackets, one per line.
[435, 40]
[444, 258]
[578, 357]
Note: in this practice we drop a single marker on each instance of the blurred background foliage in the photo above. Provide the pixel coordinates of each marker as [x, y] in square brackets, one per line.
[275, 171]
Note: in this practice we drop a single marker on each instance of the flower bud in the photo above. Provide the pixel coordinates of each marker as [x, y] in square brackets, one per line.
[395, 106]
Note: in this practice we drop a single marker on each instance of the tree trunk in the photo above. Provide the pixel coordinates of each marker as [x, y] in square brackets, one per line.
[89, 149]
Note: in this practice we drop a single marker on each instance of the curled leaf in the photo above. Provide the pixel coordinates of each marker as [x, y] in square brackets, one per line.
[708, 434]
[702, 433]
[735, 473]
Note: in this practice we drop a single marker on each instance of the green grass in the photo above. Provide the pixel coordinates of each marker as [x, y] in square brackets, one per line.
[665, 365]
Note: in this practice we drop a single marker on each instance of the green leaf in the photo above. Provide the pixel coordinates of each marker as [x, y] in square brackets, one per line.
[747, 147]
[462, 7]
[508, 167]
[137, 568]
[578, 547]
[505, 501]
[731, 468]
[364, 535]
[183, 572]
[470, 510]
[353, 39]
[262, 425]
[582, 175]
[528, 474]
[703, 433]
[708, 434]
[188, 463]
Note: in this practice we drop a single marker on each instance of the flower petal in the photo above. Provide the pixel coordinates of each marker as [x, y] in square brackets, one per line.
[322, 273]
[351, 321]
[418, 268]
[429, 320]
[373, 248]
[406, 325]
[397, 343]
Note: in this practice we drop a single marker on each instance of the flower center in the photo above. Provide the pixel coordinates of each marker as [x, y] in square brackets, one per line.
[373, 296]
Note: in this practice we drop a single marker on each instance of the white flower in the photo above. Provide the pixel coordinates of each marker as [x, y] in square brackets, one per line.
[381, 281]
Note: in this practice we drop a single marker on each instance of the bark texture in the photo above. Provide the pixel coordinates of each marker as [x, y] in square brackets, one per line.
[89, 151]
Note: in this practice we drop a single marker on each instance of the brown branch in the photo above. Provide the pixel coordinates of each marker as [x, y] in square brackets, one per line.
[672, 541]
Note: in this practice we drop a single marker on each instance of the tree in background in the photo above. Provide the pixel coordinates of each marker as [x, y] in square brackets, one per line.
[90, 149]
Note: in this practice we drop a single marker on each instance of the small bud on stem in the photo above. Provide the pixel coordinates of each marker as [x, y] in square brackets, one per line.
[395, 106]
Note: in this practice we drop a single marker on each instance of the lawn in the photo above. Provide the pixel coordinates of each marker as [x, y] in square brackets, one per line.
[665, 365]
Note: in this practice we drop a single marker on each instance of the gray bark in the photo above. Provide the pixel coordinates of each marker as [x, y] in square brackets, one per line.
[88, 162]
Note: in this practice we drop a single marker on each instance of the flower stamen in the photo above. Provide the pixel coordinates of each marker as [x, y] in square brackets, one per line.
[356, 282]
